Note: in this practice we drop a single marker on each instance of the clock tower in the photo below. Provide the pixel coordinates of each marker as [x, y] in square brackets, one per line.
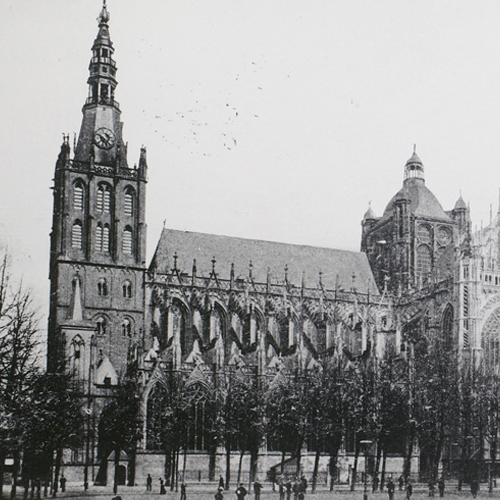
[98, 248]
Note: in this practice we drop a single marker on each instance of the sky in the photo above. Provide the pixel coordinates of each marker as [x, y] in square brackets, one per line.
[270, 119]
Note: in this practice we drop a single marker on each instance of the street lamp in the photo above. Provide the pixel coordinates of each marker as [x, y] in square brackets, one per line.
[365, 444]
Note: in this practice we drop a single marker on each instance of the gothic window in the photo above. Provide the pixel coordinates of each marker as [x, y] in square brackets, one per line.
[448, 327]
[178, 325]
[216, 323]
[126, 328]
[103, 201]
[101, 326]
[98, 237]
[102, 287]
[156, 411]
[77, 345]
[127, 241]
[76, 235]
[127, 290]
[128, 202]
[424, 260]
[236, 325]
[424, 234]
[105, 238]
[198, 323]
[199, 420]
[490, 339]
[78, 196]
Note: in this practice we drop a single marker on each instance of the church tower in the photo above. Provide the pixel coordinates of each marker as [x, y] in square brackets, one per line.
[98, 238]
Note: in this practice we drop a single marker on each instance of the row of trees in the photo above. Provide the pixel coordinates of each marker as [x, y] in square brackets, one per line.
[39, 412]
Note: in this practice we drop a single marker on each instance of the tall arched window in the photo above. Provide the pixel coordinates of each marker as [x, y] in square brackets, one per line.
[127, 290]
[126, 328]
[105, 238]
[127, 241]
[128, 202]
[76, 235]
[156, 411]
[448, 327]
[102, 287]
[98, 237]
[103, 201]
[424, 260]
[78, 196]
[101, 326]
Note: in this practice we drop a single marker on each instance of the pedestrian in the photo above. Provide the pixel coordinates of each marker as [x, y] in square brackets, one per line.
[281, 488]
[431, 487]
[288, 489]
[257, 487]
[390, 488]
[183, 490]
[409, 490]
[441, 487]
[62, 483]
[149, 483]
[401, 482]
[219, 495]
[163, 491]
[221, 482]
[241, 492]
[474, 487]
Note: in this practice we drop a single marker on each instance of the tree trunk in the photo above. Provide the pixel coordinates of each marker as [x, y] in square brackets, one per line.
[173, 470]
[59, 453]
[315, 470]
[131, 466]
[299, 453]
[239, 466]
[228, 464]
[355, 468]
[282, 462]
[377, 467]
[382, 476]
[254, 457]
[2, 467]
[407, 462]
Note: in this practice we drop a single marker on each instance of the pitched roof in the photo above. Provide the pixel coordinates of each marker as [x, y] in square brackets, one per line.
[229, 250]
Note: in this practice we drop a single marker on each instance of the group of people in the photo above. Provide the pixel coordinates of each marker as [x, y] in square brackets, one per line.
[297, 486]
[241, 491]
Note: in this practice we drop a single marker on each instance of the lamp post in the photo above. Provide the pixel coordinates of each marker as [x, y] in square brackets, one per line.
[365, 444]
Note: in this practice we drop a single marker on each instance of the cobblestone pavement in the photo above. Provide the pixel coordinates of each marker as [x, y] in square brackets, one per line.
[198, 491]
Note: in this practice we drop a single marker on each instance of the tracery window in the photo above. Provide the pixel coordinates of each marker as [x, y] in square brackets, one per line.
[156, 409]
[199, 419]
[76, 235]
[102, 238]
[424, 233]
[311, 331]
[448, 327]
[424, 260]
[490, 339]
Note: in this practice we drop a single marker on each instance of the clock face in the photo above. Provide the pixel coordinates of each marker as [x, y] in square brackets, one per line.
[444, 236]
[104, 138]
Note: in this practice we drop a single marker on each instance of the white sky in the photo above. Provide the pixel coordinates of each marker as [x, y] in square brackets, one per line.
[270, 119]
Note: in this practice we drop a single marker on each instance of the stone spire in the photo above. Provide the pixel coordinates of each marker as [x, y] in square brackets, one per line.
[100, 139]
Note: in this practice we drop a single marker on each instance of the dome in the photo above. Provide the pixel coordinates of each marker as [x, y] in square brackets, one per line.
[422, 202]
[369, 214]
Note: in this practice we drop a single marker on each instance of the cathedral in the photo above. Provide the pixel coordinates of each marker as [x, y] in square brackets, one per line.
[210, 306]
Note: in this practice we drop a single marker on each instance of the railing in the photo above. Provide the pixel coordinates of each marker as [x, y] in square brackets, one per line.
[109, 101]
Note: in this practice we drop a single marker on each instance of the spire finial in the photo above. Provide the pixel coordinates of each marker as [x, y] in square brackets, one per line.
[213, 264]
[104, 14]
[414, 148]
[175, 261]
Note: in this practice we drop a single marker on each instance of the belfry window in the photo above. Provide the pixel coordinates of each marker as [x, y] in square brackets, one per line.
[424, 260]
[128, 202]
[78, 197]
[76, 235]
[102, 238]
[127, 241]
[103, 201]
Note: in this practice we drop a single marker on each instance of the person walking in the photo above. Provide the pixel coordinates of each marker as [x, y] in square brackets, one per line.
[431, 487]
[474, 487]
[281, 489]
[221, 482]
[390, 488]
[401, 482]
[257, 487]
[241, 492]
[149, 483]
[163, 491]
[409, 490]
[441, 487]
[62, 483]
[183, 490]
[288, 489]
[219, 495]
